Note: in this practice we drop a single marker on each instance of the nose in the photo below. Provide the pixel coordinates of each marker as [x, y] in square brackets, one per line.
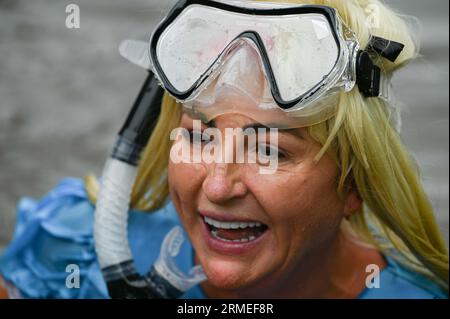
[224, 183]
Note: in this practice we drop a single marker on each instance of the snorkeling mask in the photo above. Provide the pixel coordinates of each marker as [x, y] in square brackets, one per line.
[305, 54]
[203, 54]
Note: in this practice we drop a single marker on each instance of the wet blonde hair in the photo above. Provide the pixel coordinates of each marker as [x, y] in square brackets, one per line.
[397, 215]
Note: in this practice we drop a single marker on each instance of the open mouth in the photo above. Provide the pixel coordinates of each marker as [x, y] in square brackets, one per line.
[235, 231]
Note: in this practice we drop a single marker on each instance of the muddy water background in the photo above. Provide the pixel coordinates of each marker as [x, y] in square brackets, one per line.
[64, 93]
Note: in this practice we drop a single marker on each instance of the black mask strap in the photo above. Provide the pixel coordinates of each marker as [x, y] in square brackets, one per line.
[386, 48]
[368, 75]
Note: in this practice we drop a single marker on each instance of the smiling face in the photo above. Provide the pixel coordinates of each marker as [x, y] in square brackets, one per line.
[250, 229]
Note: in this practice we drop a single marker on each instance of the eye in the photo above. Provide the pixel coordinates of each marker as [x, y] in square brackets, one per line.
[198, 138]
[270, 152]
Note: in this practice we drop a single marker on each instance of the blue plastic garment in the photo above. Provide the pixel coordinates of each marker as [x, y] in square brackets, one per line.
[57, 231]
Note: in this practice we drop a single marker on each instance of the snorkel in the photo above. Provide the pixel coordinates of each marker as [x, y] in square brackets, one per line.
[164, 279]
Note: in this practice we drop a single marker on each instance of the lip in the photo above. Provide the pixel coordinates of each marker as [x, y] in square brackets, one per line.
[229, 248]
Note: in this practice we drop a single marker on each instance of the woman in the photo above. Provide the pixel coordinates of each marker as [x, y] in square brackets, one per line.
[343, 202]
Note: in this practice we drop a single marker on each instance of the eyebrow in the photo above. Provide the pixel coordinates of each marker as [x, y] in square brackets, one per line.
[255, 126]
[293, 131]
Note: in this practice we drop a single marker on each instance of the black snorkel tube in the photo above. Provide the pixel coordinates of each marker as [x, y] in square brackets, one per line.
[140, 122]
[164, 280]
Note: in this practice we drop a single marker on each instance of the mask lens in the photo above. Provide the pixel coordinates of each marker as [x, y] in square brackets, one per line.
[302, 52]
[191, 45]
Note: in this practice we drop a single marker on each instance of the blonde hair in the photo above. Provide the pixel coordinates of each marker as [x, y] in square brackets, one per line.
[397, 215]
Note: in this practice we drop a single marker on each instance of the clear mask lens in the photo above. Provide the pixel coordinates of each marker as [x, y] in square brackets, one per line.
[301, 49]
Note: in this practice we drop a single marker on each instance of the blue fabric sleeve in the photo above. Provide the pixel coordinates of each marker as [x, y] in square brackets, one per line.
[57, 231]
[51, 234]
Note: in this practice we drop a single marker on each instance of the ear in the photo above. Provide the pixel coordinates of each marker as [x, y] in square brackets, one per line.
[353, 202]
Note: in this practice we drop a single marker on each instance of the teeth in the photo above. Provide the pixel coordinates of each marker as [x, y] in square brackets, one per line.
[230, 225]
[242, 240]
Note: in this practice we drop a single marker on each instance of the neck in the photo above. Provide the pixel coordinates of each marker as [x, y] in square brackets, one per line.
[336, 269]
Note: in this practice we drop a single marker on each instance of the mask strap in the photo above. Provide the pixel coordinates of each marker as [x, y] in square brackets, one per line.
[388, 49]
[371, 81]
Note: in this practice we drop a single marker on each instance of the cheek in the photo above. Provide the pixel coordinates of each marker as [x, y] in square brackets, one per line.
[185, 182]
[302, 203]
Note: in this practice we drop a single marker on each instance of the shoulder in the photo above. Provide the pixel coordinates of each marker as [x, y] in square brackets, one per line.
[398, 282]
[54, 236]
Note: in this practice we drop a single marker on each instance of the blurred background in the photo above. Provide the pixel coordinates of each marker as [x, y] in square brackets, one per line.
[65, 92]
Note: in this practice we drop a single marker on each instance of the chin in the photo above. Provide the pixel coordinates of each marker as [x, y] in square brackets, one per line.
[227, 275]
